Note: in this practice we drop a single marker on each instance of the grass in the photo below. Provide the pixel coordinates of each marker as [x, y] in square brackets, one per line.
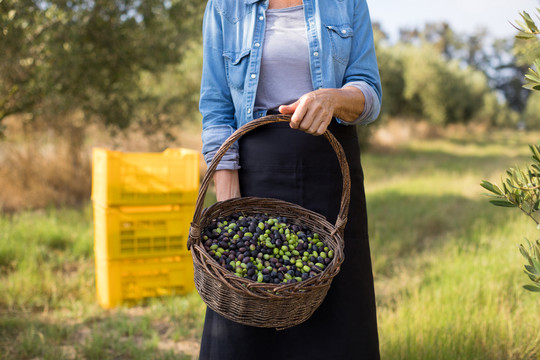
[48, 308]
[447, 268]
[448, 274]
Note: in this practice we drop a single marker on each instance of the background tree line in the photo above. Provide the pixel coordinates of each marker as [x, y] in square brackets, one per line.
[138, 61]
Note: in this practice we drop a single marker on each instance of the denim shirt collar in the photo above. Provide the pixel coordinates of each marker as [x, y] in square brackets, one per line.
[251, 1]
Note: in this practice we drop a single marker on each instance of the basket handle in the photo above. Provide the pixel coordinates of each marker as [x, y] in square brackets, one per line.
[341, 221]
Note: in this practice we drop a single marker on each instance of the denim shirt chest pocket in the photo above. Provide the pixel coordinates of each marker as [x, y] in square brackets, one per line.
[341, 37]
[236, 66]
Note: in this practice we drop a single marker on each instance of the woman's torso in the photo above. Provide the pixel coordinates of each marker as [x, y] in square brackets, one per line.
[329, 30]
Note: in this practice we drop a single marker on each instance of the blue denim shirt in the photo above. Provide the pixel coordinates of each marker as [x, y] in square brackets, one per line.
[340, 41]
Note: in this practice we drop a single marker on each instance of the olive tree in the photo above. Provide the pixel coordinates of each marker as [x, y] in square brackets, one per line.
[61, 56]
[521, 188]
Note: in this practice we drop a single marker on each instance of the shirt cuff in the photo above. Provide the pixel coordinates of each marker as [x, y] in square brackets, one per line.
[229, 161]
[213, 137]
[372, 104]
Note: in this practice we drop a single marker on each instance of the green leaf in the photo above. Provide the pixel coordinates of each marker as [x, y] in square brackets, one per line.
[536, 263]
[524, 252]
[529, 22]
[491, 187]
[531, 86]
[531, 271]
[533, 76]
[502, 203]
[525, 36]
[520, 178]
[532, 288]
[536, 152]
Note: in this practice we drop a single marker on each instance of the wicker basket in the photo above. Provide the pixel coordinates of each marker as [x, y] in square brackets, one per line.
[246, 301]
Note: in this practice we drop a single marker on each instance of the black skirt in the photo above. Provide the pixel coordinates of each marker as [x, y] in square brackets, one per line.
[280, 162]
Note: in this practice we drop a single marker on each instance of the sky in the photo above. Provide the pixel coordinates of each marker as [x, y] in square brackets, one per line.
[464, 16]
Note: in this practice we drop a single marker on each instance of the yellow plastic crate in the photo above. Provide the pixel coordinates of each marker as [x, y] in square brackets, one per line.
[135, 232]
[120, 179]
[128, 281]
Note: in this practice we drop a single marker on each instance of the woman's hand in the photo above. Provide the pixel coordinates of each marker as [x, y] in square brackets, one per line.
[227, 184]
[313, 112]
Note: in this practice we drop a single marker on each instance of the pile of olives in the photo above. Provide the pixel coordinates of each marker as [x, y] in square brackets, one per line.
[266, 249]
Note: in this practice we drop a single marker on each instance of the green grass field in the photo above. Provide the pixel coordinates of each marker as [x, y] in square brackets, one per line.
[447, 269]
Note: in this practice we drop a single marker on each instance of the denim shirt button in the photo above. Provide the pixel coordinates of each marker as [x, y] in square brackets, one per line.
[316, 53]
[249, 111]
[261, 18]
[253, 76]
[257, 44]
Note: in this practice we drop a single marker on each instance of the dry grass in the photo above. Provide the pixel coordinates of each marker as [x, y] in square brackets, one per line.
[43, 165]
[29, 178]
[50, 165]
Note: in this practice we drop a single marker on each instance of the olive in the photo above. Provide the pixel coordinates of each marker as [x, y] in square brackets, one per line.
[266, 249]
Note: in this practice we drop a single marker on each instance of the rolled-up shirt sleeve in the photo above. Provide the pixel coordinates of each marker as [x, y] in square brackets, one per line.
[213, 137]
[372, 104]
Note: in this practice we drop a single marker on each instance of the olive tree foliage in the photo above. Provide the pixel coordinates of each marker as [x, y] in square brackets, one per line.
[91, 56]
[422, 78]
[521, 188]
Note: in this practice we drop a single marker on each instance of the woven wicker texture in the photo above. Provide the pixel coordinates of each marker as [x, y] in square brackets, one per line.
[246, 301]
